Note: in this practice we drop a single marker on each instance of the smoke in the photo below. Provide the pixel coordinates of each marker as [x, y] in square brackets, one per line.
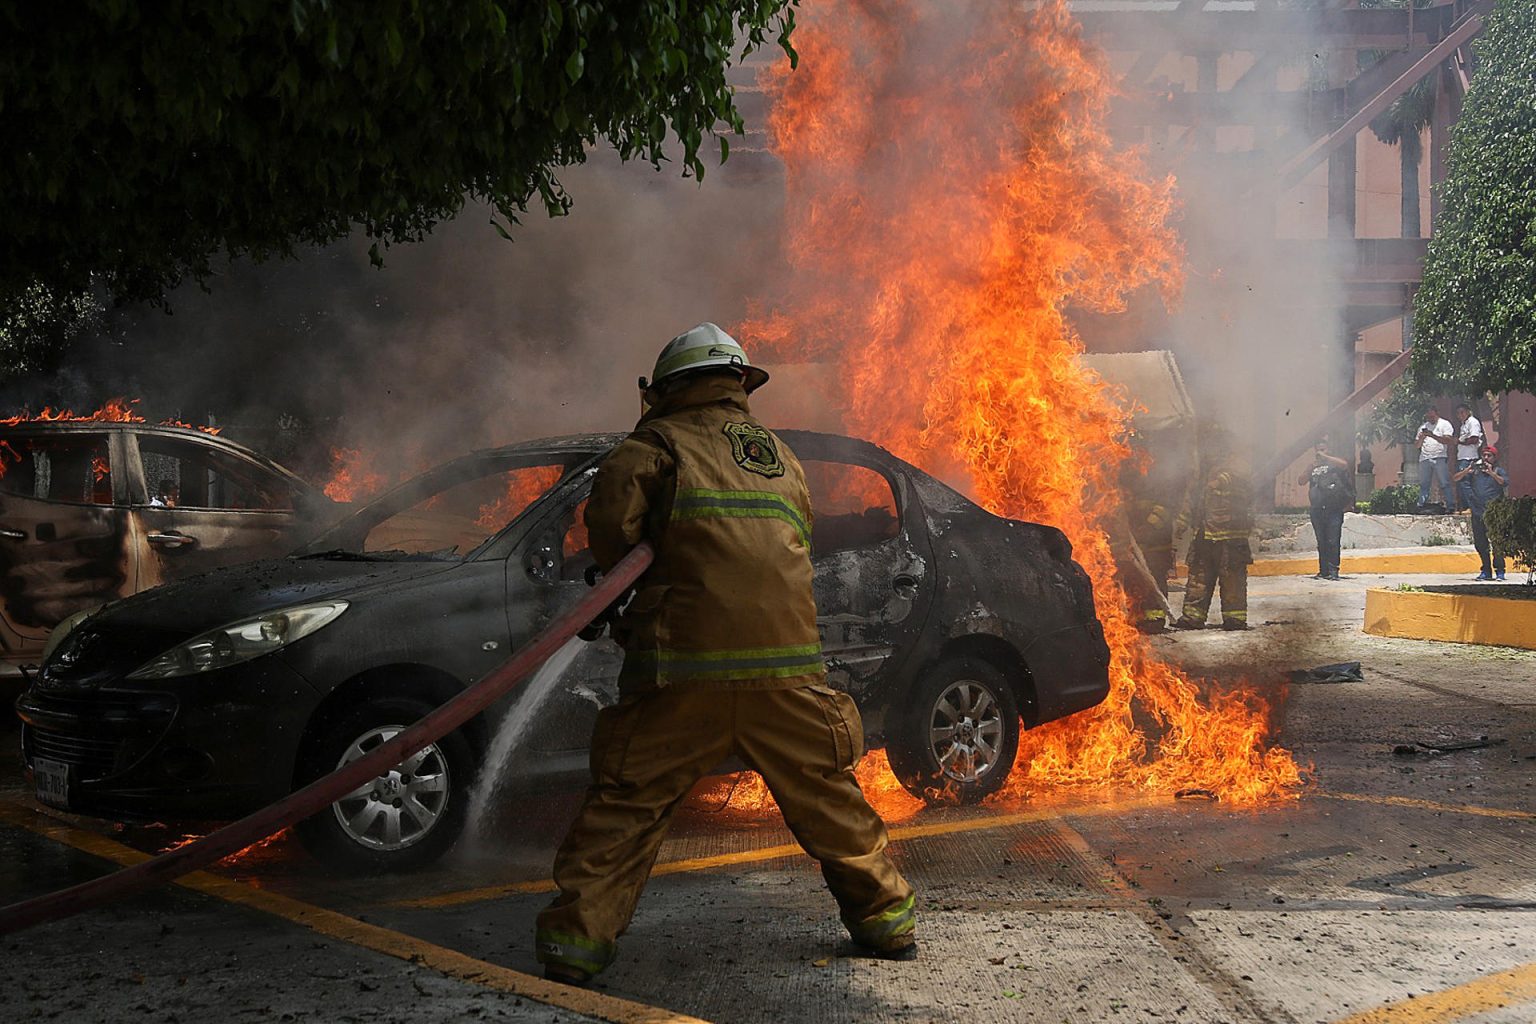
[1261, 333]
[466, 339]
[461, 341]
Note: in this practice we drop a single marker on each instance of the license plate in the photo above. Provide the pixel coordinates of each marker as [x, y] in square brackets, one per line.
[52, 780]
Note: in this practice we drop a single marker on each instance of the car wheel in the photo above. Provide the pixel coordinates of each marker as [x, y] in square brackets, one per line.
[956, 741]
[405, 818]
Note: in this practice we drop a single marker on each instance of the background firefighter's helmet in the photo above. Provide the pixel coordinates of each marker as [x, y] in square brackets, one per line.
[702, 347]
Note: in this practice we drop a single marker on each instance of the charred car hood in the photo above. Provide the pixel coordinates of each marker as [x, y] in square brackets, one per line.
[195, 605]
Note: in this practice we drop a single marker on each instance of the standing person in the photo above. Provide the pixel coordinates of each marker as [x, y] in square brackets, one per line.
[1151, 488]
[1220, 512]
[1486, 480]
[1330, 494]
[1469, 444]
[1435, 435]
[722, 658]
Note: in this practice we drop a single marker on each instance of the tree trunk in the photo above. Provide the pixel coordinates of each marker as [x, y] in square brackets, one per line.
[1410, 153]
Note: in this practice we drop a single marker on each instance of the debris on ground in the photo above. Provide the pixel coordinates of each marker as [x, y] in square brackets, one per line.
[1343, 672]
[1195, 793]
[1450, 747]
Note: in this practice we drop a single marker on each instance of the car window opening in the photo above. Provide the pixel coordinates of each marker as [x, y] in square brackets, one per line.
[451, 523]
[180, 474]
[854, 507]
[74, 468]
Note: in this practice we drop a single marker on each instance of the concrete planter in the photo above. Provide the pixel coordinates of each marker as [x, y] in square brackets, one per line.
[1458, 618]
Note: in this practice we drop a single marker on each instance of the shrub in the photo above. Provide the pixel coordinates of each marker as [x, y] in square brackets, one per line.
[1511, 526]
[1388, 501]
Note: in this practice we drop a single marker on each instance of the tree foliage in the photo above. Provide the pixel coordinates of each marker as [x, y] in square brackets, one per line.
[36, 325]
[1475, 315]
[1512, 530]
[143, 140]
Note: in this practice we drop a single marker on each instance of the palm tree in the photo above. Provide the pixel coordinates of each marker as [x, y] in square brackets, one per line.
[1402, 125]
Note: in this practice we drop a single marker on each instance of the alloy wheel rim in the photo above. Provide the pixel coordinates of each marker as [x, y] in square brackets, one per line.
[399, 807]
[965, 731]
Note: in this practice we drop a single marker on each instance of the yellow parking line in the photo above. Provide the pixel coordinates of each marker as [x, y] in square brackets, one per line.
[348, 929]
[1491, 992]
[673, 867]
[1430, 805]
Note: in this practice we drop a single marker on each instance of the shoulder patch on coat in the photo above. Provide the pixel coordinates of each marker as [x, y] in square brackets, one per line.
[753, 449]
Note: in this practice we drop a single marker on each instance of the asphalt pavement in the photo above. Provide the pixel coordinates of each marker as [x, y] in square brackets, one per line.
[1400, 887]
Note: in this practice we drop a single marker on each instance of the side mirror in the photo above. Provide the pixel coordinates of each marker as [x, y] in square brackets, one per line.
[542, 562]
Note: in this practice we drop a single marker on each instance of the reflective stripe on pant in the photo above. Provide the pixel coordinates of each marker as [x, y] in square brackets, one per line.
[649, 750]
[1214, 563]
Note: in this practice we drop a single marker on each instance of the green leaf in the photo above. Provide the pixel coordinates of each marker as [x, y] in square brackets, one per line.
[264, 131]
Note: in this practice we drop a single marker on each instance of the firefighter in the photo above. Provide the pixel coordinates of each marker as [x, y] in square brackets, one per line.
[722, 658]
[1220, 512]
[1150, 512]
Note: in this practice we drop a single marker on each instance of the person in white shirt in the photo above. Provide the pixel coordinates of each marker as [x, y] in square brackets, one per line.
[1435, 437]
[1469, 446]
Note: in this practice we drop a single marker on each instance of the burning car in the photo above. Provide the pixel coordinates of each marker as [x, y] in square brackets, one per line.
[213, 696]
[92, 510]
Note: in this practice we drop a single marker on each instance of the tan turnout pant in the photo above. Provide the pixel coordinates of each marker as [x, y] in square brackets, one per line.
[1213, 564]
[649, 750]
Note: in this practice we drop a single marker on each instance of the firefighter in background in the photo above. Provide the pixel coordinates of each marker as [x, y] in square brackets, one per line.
[722, 658]
[1219, 511]
[1150, 486]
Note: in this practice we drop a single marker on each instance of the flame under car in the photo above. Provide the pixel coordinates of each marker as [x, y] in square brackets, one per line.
[210, 697]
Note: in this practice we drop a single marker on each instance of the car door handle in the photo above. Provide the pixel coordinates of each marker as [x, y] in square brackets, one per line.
[10, 534]
[905, 586]
[172, 539]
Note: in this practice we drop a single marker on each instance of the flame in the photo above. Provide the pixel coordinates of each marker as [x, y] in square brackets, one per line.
[115, 410]
[243, 854]
[747, 794]
[951, 191]
[351, 479]
[524, 487]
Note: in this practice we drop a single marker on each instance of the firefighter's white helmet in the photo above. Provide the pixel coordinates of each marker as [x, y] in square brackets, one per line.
[704, 346]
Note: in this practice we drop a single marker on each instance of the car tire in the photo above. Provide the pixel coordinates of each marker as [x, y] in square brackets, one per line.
[957, 738]
[408, 817]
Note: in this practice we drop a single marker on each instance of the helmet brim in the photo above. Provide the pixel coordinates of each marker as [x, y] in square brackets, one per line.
[753, 377]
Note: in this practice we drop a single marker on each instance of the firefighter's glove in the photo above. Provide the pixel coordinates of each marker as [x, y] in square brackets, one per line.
[595, 629]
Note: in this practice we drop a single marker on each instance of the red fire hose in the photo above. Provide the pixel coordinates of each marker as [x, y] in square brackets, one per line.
[324, 791]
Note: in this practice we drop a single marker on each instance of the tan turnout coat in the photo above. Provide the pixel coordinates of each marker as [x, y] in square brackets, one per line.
[728, 601]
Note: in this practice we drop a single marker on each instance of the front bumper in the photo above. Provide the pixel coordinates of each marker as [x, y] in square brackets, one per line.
[217, 745]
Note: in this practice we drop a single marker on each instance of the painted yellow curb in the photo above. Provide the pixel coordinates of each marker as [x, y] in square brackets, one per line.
[1428, 563]
[1458, 618]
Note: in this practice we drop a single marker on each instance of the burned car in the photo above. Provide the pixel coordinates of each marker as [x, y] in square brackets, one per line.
[91, 511]
[216, 695]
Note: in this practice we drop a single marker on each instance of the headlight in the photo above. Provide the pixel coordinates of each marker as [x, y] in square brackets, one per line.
[240, 641]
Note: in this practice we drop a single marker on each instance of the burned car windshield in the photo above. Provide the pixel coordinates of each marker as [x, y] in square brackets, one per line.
[442, 516]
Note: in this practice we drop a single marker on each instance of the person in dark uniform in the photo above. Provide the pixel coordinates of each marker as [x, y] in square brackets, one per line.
[1330, 493]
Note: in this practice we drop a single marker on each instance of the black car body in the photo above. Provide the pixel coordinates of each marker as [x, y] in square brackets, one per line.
[947, 625]
[93, 511]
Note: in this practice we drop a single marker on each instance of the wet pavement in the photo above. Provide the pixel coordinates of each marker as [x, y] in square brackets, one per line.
[1399, 887]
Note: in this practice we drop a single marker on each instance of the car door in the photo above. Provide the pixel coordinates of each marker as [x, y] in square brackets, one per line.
[63, 531]
[548, 578]
[197, 507]
[874, 574]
